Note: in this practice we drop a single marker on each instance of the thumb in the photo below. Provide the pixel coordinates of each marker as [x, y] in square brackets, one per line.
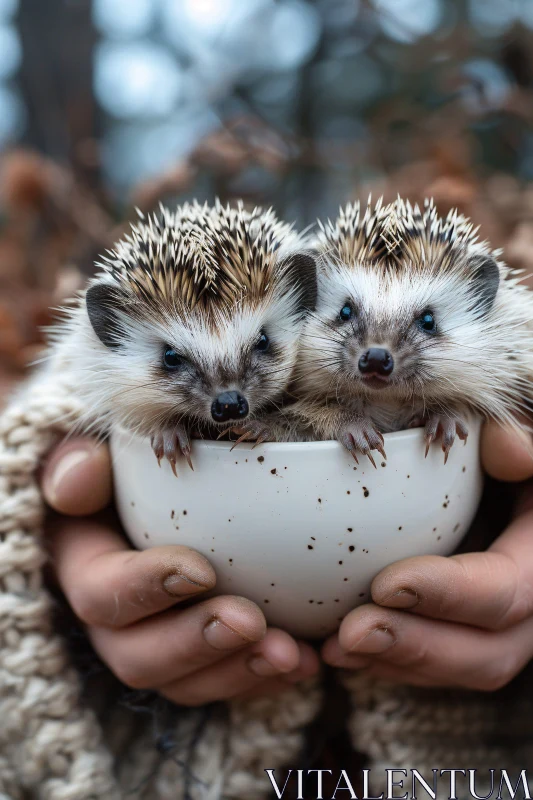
[76, 478]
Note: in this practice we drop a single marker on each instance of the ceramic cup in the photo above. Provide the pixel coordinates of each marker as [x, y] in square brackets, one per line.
[299, 528]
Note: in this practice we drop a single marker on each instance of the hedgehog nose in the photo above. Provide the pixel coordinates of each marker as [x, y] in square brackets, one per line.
[229, 405]
[376, 361]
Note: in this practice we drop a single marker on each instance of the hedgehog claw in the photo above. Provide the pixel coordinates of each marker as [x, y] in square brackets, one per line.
[254, 429]
[445, 428]
[360, 436]
[170, 444]
[371, 459]
[242, 438]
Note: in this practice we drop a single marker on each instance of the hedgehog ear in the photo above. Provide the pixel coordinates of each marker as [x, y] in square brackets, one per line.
[303, 271]
[485, 281]
[103, 302]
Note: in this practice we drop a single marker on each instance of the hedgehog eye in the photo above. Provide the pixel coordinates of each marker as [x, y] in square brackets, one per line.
[171, 359]
[346, 313]
[427, 323]
[263, 343]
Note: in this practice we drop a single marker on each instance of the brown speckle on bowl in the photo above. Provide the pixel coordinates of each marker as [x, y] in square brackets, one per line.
[172, 514]
[464, 469]
[340, 562]
[310, 547]
[439, 538]
[212, 549]
[445, 505]
[399, 527]
[365, 491]
[184, 512]
[146, 535]
[272, 584]
[311, 601]
[266, 601]
[337, 600]
[320, 602]
[349, 530]
[434, 529]
[313, 538]
[383, 464]
[319, 499]
[260, 459]
[230, 560]
[362, 594]
[177, 527]
[345, 579]
[351, 548]
[365, 551]
[273, 471]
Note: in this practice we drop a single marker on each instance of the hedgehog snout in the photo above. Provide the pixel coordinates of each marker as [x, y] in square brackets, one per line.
[229, 405]
[376, 361]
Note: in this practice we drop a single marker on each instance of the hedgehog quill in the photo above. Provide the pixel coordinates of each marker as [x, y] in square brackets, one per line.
[192, 324]
[417, 322]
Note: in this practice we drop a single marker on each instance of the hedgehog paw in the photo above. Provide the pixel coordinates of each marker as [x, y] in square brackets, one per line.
[445, 428]
[171, 443]
[362, 437]
[251, 431]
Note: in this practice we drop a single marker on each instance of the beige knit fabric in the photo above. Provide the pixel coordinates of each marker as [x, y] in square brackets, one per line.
[51, 746]
[401, 727]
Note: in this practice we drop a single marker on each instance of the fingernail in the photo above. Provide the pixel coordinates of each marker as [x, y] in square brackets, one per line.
[178, 585]
[63, 467]
[221, 637]
[262, 668]
[376, 641]
[405, 598]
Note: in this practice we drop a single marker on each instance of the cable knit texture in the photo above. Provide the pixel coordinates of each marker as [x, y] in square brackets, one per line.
[51, 745]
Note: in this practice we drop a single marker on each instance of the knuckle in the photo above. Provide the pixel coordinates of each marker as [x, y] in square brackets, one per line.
[190, 697]
[496, 675]
[85, 605]
[130, 671]
[514, 596]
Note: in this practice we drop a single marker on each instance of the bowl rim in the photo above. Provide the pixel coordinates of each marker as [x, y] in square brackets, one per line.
[405, 436]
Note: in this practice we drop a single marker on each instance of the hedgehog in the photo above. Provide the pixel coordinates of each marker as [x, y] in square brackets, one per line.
[191, 324]
[417, 323]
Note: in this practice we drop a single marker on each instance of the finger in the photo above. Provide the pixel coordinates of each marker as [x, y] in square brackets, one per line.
[76, 478]
[106, 583]
[171, 645]
[308, 667]
[443, 652]
[506, 454]
[491, 590]
[258, 668]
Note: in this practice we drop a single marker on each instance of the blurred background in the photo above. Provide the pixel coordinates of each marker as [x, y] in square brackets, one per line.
[303, 104]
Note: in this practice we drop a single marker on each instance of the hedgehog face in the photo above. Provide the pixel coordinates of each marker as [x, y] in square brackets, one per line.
[394, 334]
[162, 365]
[200, 312]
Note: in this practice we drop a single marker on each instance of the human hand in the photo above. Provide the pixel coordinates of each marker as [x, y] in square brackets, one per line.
[213, 650]
[464, 621]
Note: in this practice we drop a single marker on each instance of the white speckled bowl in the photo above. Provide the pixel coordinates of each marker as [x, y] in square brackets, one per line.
[297, 527]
